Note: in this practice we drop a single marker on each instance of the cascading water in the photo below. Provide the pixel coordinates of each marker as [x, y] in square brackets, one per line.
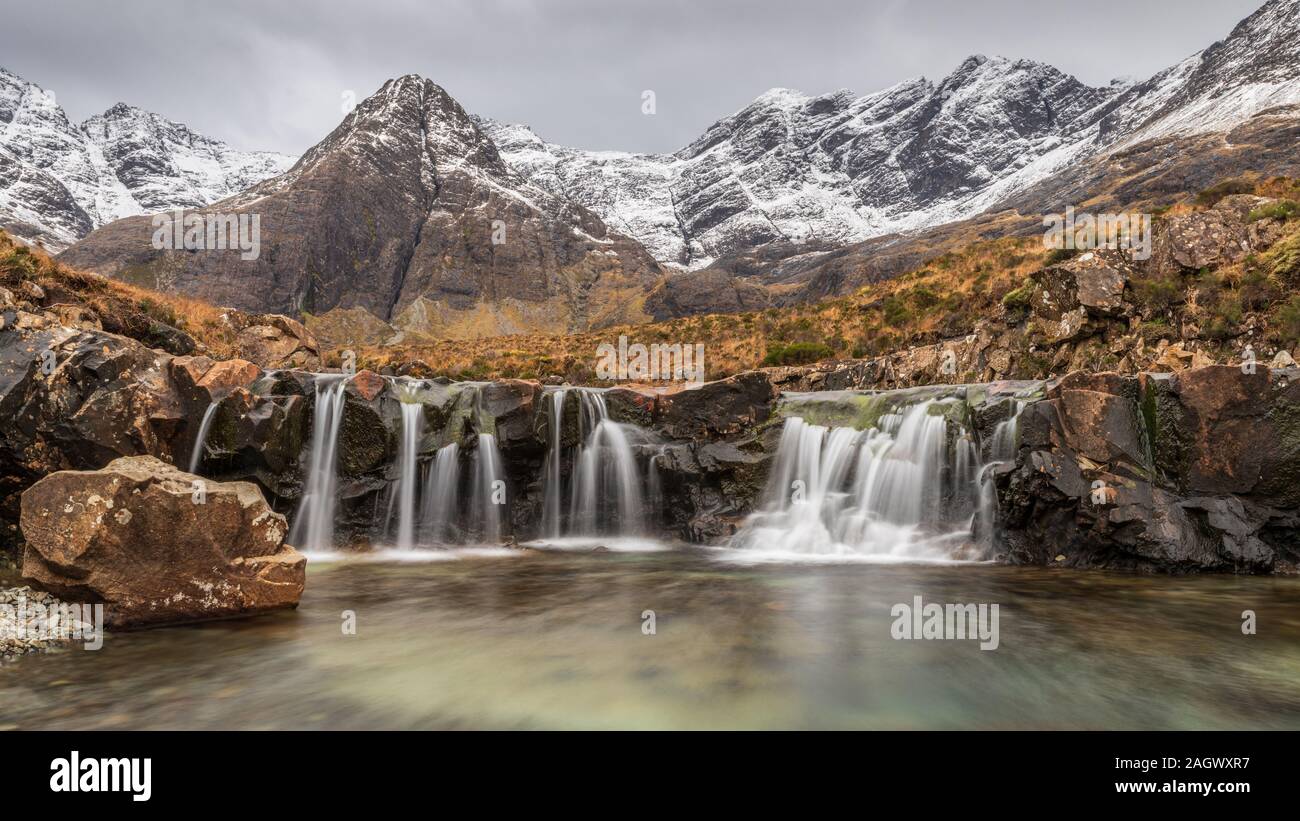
[313, 525]
[551, 501]
[412, 433]
[904, 489]
[441, 494]
[1002, 449]
[488, 498]
[427, 504]
[196, 455]
[606, 489]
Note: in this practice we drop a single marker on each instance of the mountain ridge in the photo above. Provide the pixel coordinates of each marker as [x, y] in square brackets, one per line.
[60, 180]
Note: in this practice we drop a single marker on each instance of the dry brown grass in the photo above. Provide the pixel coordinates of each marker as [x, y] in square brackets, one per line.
[942, 299]
[122, 308]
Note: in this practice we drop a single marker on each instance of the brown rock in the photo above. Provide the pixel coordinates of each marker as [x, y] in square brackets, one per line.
[367, 384]
[276, 341]
[223, 377]
[133, 537]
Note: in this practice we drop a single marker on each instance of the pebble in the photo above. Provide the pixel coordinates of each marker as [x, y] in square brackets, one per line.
[11, 646]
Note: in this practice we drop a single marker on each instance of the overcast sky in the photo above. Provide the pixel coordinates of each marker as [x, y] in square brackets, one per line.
[270, 74]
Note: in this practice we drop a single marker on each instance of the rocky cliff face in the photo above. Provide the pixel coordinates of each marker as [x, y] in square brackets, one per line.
[406, 210]
[59, 181]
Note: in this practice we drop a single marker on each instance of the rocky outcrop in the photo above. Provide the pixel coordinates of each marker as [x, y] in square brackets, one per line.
[1221, 235]
[1167, 472]
[155, 545]
[711, 291]
[274, 340]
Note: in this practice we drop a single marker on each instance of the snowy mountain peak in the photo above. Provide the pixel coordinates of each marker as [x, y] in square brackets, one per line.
[835, 169]
[58, 181]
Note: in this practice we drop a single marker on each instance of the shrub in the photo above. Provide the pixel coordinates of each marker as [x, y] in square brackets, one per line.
[1225, 318]
[796, 353]
[1280, 210]
[1214, 193]
[896, 311]
[1060, 255]
[1286, 324]
[1286, 260]
[1157, 293]
[1018, 299]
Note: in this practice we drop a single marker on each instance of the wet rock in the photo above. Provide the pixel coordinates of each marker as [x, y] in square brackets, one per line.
[1198, 470]
[722, 408]
[511, 404]
[630, 406]
[132, 537]
[367, 385]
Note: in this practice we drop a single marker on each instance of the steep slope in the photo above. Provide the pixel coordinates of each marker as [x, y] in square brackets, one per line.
[407, 210]
[829, 170]
[809, 174]
[59, 181]
[167, 165]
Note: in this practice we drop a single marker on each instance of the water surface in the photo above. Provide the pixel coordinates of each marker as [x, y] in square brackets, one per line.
[514, 639]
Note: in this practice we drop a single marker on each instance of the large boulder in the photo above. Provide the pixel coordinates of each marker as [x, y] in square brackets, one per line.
[1198, 470]
[1093, 281]
[73, 399]
[1221, 235]
[274, 340]
[137, 537]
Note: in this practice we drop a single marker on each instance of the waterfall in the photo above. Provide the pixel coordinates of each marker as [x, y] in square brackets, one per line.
[313, 525]
[441, 486]
[488, 498]
[196, 455]
[607, 490]
[412, 433]
[904, 489]
[553, 491]
[1002, 449]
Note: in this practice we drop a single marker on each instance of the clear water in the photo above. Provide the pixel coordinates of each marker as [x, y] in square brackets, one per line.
[529, 639]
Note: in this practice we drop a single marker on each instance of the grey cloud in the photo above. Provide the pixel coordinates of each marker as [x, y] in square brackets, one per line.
[268, 74]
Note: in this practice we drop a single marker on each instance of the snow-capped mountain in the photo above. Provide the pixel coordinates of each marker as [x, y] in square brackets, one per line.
[840, 169]
[406, 210]
[59, 181]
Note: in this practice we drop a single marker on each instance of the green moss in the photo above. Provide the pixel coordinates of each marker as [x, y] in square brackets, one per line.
[1018, 299]
[796, 353]
[1280, 210]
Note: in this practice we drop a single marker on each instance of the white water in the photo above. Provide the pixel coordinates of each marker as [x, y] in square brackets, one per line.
[551, 523]
[895, 492]
[412, 433]
[607, 489]
[196, 455]
[1002, 449]
[313, 525]
[441, 492]
[488, 500]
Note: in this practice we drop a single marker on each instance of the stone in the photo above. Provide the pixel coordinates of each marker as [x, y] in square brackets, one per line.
[227, 375]
[132, 537]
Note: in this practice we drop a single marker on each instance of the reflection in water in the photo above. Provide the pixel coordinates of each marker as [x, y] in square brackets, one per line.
[554, 639]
